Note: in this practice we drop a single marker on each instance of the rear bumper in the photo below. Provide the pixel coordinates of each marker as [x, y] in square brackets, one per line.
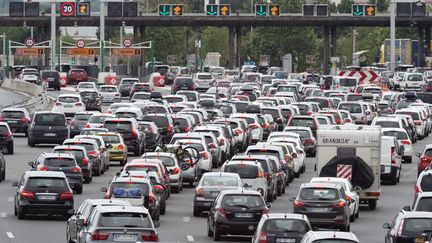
[392, 173]
[236, 228]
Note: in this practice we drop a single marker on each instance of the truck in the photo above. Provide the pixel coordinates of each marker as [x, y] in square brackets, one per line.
[212, 59]
[352, 152]
[406, 51]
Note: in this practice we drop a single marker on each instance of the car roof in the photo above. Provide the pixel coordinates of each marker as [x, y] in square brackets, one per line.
[108, 201]
[324, 185]
[56, 155]
[165, 154]
[240, 191]
[131, 179]
[416, 214]
[76, 147]
[333, 234]
[220, 173]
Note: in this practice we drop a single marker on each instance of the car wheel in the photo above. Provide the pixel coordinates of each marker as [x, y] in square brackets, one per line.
[297, 175]
[20, 214]
[176, 189]
[196, 212]
[79, 190]
[352, 217]
[398, 177]
[30, 142]
[408, 160]
[97, 172]
[357, 214]
[283, 189]
[87, 180]
[25, 133]
[123, 162]
[209, 231]
[270, 198]
[372, 204]
[348, 228]
[279, 191]
[15, 210]
[216, 234]
[163, 209]
[11, 149]
[137, 151]
[394, 180]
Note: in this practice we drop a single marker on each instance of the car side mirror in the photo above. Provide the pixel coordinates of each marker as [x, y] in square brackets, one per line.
[81, 222]
[109, 146]
[118, 173]
[268, 205]
[103, 189]
[386, 226]
[71, 211]
[292, 199]
[158, 188]
[407, 208]
[156, 224]
[31, 164]
[15, 184]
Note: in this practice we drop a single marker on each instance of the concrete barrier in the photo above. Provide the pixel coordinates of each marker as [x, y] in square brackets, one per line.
[22, 86]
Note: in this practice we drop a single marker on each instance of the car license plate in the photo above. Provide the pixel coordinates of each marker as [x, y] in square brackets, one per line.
[43, 197]
[50, 79]
[184, 87]
[125, 237]
[280, 240]
[420, 240]
[49, 134]
[12, 121]
[243, 215]
[318, 210]
[68, 106]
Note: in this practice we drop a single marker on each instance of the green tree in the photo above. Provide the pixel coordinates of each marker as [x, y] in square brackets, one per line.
[345, 6]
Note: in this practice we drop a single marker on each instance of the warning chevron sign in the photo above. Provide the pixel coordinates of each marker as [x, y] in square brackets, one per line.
[364, 76]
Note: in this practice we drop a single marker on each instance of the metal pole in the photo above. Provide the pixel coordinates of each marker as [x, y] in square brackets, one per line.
[147, 6]
[4, 48]
[59, 54]
[102, 35]
[53, 35]
[8, 54]
[31, 32]
[392, 35]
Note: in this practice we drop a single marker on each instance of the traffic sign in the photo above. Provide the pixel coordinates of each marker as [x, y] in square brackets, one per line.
[212, 9]
[29, 51]
[164, 9]
[370, 10]
[127, 42]
[130, 9]
[80, 43]
[67, 9]
[357, 10]
[29, 42]
[80, 52]
[274, 10]
[224, 9]
[177, 9]
[308, 9]
[83, 9]
[367, 76]
[322, 10]
[126, 52]
[260, 9]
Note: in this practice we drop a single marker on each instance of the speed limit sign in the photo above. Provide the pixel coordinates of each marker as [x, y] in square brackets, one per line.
[127, 42]
[67, 9]
[80, 43]
[29, 42]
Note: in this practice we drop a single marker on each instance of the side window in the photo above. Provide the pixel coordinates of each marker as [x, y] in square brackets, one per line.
[82, 208]
[393, 223]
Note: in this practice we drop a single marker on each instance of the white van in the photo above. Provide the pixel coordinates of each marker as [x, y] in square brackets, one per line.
[343, 83]
[391, 164]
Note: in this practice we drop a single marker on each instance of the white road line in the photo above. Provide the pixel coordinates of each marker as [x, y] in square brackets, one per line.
[3, 215]
[186, 219]
[10, 199]
[189, 237]
[409, 172]
[10, 235]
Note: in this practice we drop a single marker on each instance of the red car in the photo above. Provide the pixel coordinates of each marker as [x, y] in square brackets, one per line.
[425, 159]
[76, 76]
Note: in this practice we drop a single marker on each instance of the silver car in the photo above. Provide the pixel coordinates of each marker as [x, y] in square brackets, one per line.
[109, 93]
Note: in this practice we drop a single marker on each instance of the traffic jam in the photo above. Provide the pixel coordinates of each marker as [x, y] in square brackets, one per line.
[237, 139]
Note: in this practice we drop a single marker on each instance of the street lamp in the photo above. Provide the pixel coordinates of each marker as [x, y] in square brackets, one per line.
[4, 48]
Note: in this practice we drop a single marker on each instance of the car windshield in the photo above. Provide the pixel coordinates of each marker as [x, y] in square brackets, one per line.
[417, 225]
[387, 124]
[245, 201]
[125, 219]
[352, 108]
[318, 194]
[97, 119]
[129, 189]
[220, 181]
[50, 120]
[415, 77]
[60, 162]
[76, 153]
[68, 99]
[111, 139]
[245, 171]
[398, 135]
[46, 182]
[166, 160]
[348, 82]
[425, 204]
[12, 114]
[285, 225]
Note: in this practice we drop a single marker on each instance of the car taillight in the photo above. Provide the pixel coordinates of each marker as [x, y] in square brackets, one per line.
[262, 238]
[151, 199]
[309, 113]
[265, 125]
[338, 121]
[175, 171]
[170, 129]
[418, 123]
[399, 232]
[87, 125]
[199, 192]
[186, 129]
[1, 118]
[58, 103]
[27, 195]
[78, 104]
[417, 190]
[221, 142]
[118, 94]
[76, 169]
[212, 145]
[238, 131]
[24, 120]
[309, 141]
[134, 133]
[265, 210]
[348, 120]
[362, 120]
[298, 204]
[204, 154]
[406, 142]
[66, 196]
[96, 235]
[221, 212]
[253, 126]
[339, 205]
[120, 146]
[85, 162]
[150, 236]
[267, 175]
[42, 168]
[373, 194]
[93, 154]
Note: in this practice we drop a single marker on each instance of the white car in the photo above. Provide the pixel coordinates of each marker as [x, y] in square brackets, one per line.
[97, 120]
[412, 81]
[69, 104]
[391, 164]
[29, 75]
[350, 191]
[403, 139]
[85, 85]
[324, 236]
[253, 122]
[300, 159]
[109, 93]
[114, 106]
[170, 161]
[223, 142]
[419, 120]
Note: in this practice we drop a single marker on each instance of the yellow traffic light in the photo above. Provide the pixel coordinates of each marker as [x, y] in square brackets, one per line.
[370, 10]
[177, 9]
[224, 9]
[274, 10]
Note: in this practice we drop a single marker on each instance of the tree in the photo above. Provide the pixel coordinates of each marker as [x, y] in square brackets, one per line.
[345, 6]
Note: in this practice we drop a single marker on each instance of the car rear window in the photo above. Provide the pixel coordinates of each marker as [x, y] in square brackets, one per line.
[121, 126]
[425, 204]
[174, 99]
[12, 114]
[141, 96]
[108, 89]
[190, 96]
[88, 94]
[263, 152]
[125, 219]
[111, 139]
[46, 75]
[323, 103]
[417, 225]
[160, 121]
[398, 135]
[155, 109]
[318, 194]
[85, 86]
[245, 201]
[50, 120]
[352, 108]
[182, 123]
[76, 153]
[46, 182]
[249, 120]
[414, 115]
[129, 190]
[97, 119]
[183, 82]
[387, 124]
[82, 117]
[145, 167]
[125, 114]
[205, 77]
[285, 225]
[166, 160]
[301, 122]
[60, 162]
[128, 82]
[222, 180]
[348, 82]
[68, 99]
[245, 171]
[426, 183]
[89, 146]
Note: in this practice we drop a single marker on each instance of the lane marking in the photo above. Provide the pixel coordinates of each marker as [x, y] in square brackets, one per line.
[186, 219]
[10, 235]
[10, 199]
[409, 172]
[189, 237]
[3, 215]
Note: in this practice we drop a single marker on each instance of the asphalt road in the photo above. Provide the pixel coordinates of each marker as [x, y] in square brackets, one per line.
[179, 225]
[8, 97]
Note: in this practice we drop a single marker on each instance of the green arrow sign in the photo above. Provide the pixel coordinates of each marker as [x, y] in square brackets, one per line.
[211, 10]
[260, 10]
[164, 10]
[357, 10]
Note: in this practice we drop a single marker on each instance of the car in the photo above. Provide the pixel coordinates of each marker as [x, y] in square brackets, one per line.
[391, 165]
[306, 137]
[421, 203]
[329, 237]
[65, 163]
[129, 129]
[425, 159]
[222, 142]
[129, 112]
[92, 131]
[85, 86]
[356, 109]
[80, 155]
[253, 124]
[47, 127]
[97, 120]
[18, 119]
[30, 75]
[50, 79]
[412, 81]
[147, 165]
[91, 99]
[116, 146]
[69, 104]
[419, 120]
[110, 94]
[118, 224]
[140, 96]
[424, 182]
[79, 121]
[408, 227]
[75, 76]
[304, 121]
[102, 148]
[164, 123]
[170, 161]
[93, 152]
[125, 85]
[281, 227]
[324, 204]
[152, 135]
[2, 168]
[209, 187]
[83, 214]
[403, 140]
[205, 158]
[235, 212]
[350, 191]
[6, 139]
[140, 87]
[43, 192]
[137, 191]
[203, 81]
[182, 83]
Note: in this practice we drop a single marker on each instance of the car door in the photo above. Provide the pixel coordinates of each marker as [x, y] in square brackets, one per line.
[72, 226]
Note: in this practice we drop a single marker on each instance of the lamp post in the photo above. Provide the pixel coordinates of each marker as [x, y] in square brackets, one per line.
[4, 49]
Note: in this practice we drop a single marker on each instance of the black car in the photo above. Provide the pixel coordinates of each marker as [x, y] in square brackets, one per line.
[165, 125]
[235, 212]
[125, 86]
[6, 138]
[18, 119]
[43, 192]
[78, 122]
[152, 136]
[47, 127]
[65, 163]
[182, 83]
[408, 227]
[132, 135]
[140, 87]
[51, 78]
[80, 154]
[91, 99]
